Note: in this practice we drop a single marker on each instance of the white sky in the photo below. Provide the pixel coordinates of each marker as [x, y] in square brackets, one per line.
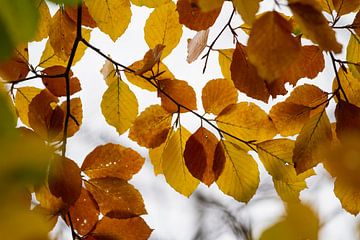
[169, 213]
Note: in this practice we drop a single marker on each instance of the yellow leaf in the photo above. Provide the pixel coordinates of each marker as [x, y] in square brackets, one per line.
[155, 154]
[119, 106]
[208, 5]
[313, 140]
[163, 27]
[149, 3]
[16, 67]
[173, 164]
[225, 59]
[218, 94]
[44, 20]
[23, 98]
[247, 9]
[353, 55]
[343, 7]
[351, 86]
[49, 58]
[116, 198]
[240, 177]
[143, 83]
[112, 16]
[272, 60]
[112, 160]
[307, 14]
[246, 121]
[151, 127]
[300, 222]
[349, 196]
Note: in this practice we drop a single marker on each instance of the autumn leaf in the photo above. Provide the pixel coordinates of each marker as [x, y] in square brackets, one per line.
[151, 58]
[347, 120]
[196, 45]
[122, 229]
[119, 106]
[16, 67]
[180, 92]
[64, 179]
[240, 177]
[151, 127]
[192, 17]
[343, 7]
[173, 163]
[307, 14]
[44, 20]
[349, 196]
[353, 55]
[217, 94]
[76, 112]
[54, 205]
[116, 198]
[149, 3]
[350, 84]
[272, 60]
[247, 9]
[209, 5]
[155, 154]
[86, 18]
[163, 27]
[111, 16]
[112, 160]
[225, 59]
[201, 157]
[23, 98]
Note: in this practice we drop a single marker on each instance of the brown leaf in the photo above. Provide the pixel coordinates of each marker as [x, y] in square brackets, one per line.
[196, 45]
[122, 229]
[347, 120]
[192, 17]
[151, 127]
[179, 91]
[271, 47]
[65, 179]
[84, 213]
[356, 23]
[77, 113]
[112, 160]
[57, 86]
[343, 7]
[86, 18]
[151, 58]
[17, 66]
[307, 14]
[116, 198]
[199, 155]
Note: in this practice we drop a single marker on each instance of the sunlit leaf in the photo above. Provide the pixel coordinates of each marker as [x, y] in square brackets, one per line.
[217, 94]
[353, 55]
[111, 16]
[349, 196]
[17, 66]
[116, 198]
[151, 58]
[119, 106]
[112, 160]
[149, 3]
[196, 45]
[163, 27]
[86, 18]
[155, 154]
[77, 116]
[240, 177]
[247, 9]
[351, 86]
[151, 127]
[44, 20]
[343, 7]
[23, 97]
[173, 164]
[225, 59]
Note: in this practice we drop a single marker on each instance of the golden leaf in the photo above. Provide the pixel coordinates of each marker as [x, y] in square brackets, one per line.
[23, 98]
[351, 86]
[149, 3]
[353, 55]
[247, 9]
[151, 58]
[225, 59]
[44, 20]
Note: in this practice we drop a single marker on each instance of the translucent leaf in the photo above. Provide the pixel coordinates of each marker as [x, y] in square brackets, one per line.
[246, 121]
[57, 86]
[351, 86]
[353, 55]
[272, 60]
[151, 58]
[173, 164]
[119, 106]
[64, 179]
[163, 27]
[112, 16]
[77, 113]
[201, 157]
[313, 140]
[149, 3]
[290, 116]
[84, 213]
[343, 7]
[109, 73]
[44, 20]
[307, 14]
[179, 91]
[86, 18]
[218, 94]
[112, 160]
[196, 45]
[349, 196]
[151, 127]
[347, 120]
[48, 201]
[122, 229]
[143, 83]
[356, 24]
[192, 17]
[240, 177]
[116, 198]
[155, 154]
[17, 66]
[247, 9]
[208, 5]
[49, 58]
[23, 97]
[225, 59]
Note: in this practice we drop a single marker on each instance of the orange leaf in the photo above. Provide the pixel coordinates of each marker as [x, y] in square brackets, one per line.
[116, 198]
[23, 97]
[151, 58]
[84, 213]
[77, 113]
[271, 47]
[356, 24]
[57, 86]
[200, 157]
[86, 18]
[192, 17]
[65, 179]
[17, 66]
[48, 201]
[180, 92]
[122, 229]
[196, 45]
[343, 7]
[347, 120]
[151, 127]
[307, 14]
[218, 94]
[112, 160]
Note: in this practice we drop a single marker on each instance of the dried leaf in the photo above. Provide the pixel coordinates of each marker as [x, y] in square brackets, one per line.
[196, 45]
[151, 58]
